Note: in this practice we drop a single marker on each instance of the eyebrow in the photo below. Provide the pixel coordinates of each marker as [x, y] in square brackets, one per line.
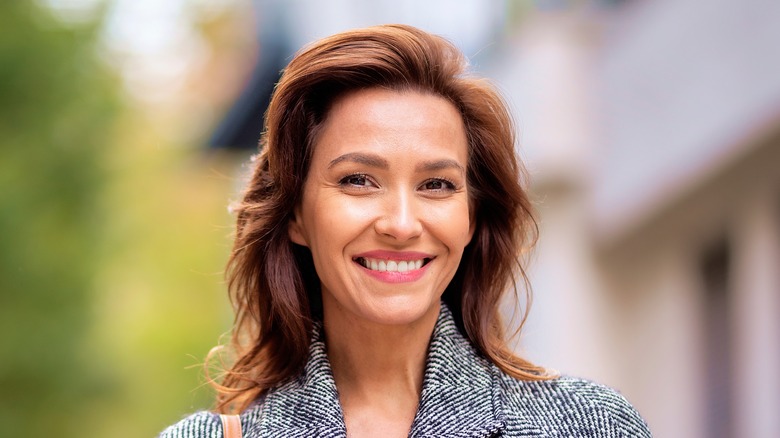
[439, 165]
[361, 158]
[379, 162]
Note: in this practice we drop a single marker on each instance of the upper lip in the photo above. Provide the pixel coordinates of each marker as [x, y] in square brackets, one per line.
[394, 255]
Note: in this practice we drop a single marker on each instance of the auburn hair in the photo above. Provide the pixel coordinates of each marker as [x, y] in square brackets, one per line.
[272, 282]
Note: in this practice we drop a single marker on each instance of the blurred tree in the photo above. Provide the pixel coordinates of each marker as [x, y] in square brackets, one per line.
[112, 236]
[57, 107]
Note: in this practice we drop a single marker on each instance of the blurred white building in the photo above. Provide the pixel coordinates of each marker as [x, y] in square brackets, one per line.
[652, 134]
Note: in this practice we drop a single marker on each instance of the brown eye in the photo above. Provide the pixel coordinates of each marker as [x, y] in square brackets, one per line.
[434, 185]
[356, 180]
[438, 184]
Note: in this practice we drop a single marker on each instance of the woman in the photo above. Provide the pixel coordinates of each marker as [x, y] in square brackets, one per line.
[382, 225]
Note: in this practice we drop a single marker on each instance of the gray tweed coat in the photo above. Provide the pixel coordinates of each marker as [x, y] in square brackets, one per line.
[463, 396]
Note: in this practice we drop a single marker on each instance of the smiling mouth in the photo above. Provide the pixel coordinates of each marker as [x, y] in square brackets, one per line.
[383, 265]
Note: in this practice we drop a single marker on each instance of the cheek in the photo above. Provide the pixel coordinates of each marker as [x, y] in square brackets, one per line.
[334, 220]
[453, 225]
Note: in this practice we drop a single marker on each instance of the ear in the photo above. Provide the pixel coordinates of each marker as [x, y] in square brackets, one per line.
[296, 230]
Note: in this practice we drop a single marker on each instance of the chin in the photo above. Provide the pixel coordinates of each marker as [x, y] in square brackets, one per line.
[401, 310]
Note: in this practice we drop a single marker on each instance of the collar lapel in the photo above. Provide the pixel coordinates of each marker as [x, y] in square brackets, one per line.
[307, 406]
[460, 396]
[461, 392]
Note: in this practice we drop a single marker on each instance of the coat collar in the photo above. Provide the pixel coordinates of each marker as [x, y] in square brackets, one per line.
[460, 395]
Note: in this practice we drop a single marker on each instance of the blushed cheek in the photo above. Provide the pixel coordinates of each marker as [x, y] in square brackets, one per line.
[343, 222]
[355, 210]
[339, 221]
[453, 225]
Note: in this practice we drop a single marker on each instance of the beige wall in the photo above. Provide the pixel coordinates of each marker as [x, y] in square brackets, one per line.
[620, 296]
[644, 296]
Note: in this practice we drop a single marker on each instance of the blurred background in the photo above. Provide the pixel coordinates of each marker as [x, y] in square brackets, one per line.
[650, 129]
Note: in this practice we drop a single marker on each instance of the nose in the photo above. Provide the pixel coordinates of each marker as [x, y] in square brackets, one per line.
[399, 218]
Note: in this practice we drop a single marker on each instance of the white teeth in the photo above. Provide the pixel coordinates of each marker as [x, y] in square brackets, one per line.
[391, 265]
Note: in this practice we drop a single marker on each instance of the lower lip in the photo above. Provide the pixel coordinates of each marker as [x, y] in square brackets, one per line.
[397, 277]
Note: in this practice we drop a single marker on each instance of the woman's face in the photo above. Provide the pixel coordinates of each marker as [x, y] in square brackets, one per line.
[385, 207]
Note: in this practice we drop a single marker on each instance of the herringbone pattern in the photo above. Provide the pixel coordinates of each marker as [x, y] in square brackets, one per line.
[463, 396]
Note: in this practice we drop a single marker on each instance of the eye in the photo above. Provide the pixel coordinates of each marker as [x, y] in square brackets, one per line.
[438, 185]
[356, 180]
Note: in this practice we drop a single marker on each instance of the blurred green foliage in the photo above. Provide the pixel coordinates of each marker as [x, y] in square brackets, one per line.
[111, 243]
[56, 114]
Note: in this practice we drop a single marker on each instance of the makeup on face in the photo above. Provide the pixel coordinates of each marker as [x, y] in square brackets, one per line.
[385, 208]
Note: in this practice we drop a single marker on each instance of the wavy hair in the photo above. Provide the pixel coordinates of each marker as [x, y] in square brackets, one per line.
[272, 283]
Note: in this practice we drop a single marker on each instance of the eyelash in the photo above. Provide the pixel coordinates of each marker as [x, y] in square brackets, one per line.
[447, 184]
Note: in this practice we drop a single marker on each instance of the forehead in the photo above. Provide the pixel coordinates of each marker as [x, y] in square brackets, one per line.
[388, 121]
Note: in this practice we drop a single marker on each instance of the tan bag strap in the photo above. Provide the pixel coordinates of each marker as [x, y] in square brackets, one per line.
[231, 426]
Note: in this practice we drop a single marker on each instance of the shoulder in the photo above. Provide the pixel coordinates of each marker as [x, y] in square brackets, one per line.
[570, 406]
[205, 424]
[199, 425]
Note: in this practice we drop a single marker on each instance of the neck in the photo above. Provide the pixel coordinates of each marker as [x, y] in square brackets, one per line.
[369, 359]
[378, 370]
